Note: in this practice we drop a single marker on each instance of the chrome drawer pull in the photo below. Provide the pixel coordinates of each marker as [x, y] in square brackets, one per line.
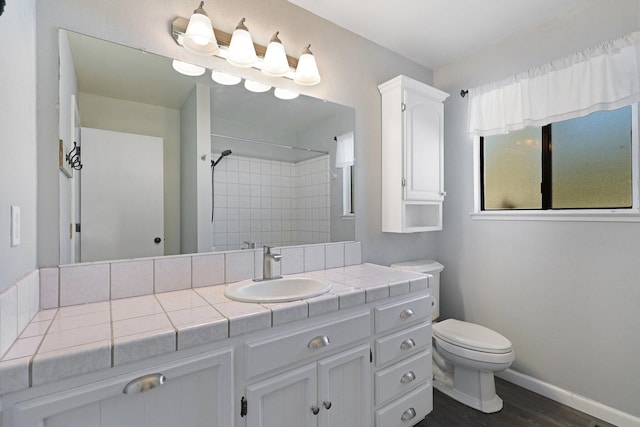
[409, 414]
[407, 313]
[407, 344]
[319, 342]
[327, 404]
[144, 383]
[315, 410]
[408, 377]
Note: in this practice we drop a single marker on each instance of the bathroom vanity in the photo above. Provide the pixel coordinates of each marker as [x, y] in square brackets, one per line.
[356, 356]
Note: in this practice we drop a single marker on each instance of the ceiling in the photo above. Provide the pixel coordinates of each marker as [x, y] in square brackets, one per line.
[435, 33]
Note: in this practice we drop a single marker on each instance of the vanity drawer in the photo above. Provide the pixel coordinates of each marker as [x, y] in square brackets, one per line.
[407, 411]
[403, 343]
[285, 349]
[402, 313]
[402, 377]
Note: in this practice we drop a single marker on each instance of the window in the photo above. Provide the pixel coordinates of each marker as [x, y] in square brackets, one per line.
[582, 164]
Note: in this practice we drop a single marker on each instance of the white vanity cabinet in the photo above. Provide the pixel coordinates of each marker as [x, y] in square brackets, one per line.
[196, 391]
[412, 156]
[332, 390]
[403, 390]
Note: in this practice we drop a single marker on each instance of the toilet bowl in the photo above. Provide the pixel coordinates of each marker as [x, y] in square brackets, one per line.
[465, 355]
[465, 358]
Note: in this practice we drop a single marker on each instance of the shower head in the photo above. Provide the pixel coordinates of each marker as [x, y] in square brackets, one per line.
[225, 153]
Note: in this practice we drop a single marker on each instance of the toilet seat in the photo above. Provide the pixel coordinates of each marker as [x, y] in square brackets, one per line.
[471, 337]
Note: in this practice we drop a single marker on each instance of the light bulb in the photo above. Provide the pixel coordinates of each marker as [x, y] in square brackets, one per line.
[275, 62]
[199, 37]
[241, 50]
[307, 70]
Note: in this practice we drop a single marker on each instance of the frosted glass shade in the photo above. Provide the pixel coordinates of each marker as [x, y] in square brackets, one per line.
[254, 86]
[199, 38]
[224, 78]
[285, 94]
[275, 62]
[241, 50]
[307, 73]
[187, 69]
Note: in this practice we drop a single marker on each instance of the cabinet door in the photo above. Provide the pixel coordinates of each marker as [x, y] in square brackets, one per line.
[344, 396]
[198, 392]
[423, 156]
[285, 400]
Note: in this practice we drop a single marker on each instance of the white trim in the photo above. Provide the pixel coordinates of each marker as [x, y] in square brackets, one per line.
[573, 400]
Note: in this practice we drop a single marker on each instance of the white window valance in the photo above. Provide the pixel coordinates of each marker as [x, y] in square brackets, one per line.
[344, 150]
[604, 77]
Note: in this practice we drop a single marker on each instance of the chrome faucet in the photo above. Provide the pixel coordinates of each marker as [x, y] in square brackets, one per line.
[267, 256]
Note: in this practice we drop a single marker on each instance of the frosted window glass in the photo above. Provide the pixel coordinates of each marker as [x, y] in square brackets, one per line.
[591, 161]
[512, 170]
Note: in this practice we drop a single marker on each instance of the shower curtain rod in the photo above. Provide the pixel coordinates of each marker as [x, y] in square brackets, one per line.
[255, 141]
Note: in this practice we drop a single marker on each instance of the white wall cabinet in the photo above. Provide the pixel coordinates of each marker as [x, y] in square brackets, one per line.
[412, 156]
[334, 392]
[198, 392]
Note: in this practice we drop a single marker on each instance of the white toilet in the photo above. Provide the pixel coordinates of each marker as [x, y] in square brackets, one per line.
[465, 355]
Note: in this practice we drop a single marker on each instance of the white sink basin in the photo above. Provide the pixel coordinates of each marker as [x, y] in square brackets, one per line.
[277, 290]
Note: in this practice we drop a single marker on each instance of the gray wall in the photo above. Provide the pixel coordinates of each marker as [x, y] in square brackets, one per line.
[18, 139]
[566, 294]
[351, 69]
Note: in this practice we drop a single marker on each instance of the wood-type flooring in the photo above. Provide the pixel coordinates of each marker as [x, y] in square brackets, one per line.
[521, 408]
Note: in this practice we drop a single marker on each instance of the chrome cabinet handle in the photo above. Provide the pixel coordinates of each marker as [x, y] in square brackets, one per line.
[144, 383]
[315, 410]
[409, 414]
[407, 344]
[327, 404]
[319, 342]
[408, 377]
[407, 313]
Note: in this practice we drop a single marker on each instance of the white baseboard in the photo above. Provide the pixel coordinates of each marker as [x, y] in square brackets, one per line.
[575, 401]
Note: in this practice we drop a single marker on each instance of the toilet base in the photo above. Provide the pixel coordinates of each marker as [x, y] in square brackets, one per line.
[475, 389]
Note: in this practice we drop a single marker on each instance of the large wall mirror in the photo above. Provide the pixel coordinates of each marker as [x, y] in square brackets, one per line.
[146, 177]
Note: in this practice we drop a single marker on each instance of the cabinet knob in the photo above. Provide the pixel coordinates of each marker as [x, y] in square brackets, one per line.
[319, 342]
[144, 383]
[326, 404]
[315, 410]
[409, 414]
[407, 344]
[407, 313]
[408, 377]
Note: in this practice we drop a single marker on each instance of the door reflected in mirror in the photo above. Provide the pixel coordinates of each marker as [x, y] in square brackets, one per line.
[278, 184]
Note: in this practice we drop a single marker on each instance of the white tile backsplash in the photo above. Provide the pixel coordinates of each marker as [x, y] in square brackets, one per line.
[239, 266]
[207, 269]
[172, 273]
[8, 318]
[131, 278]
[80, 284]
[49, 288]
[314, 257]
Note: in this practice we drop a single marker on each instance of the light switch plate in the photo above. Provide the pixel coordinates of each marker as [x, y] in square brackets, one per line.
[15, 225]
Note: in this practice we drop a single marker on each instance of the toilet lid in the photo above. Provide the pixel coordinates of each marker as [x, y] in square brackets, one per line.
[471, 336]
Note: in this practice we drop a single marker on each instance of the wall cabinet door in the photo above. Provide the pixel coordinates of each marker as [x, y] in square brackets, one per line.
[423, 122]
[333, 392]
[198, 392]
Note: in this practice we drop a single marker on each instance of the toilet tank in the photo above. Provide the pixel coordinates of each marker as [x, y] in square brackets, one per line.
[426, 266]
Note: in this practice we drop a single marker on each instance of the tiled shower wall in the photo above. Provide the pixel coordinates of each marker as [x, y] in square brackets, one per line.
[270, 202]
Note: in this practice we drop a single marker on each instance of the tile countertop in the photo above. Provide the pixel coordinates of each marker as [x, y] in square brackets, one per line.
[68, 341]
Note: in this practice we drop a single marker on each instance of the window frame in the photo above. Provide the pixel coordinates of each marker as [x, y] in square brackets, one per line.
[607, 214]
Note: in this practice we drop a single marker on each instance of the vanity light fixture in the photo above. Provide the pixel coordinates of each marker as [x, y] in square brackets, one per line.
[224, 78]
[307, 73]
[241, 51]
[275, 62]
[285, 94]
[187, 69]
[199, 37]
[254, 86]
